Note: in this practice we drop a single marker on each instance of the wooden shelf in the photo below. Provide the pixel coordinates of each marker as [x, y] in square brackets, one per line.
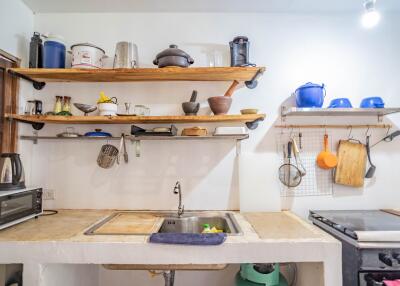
[294, 111]
[54, 119]
[140, 74]
[138, 138]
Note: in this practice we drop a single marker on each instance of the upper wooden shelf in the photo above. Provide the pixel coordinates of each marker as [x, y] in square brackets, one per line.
[140, 74]
[134, 119]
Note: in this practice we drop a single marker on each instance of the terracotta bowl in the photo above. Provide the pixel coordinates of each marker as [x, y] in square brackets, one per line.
[220, 104]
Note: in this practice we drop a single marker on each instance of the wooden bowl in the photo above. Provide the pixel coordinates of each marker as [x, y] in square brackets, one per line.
[249, 111]
[220, 104]
[194, 131]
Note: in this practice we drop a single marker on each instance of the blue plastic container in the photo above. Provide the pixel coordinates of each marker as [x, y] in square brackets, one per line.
[372, 102]
[310, 95]
[340, 103]
[54, 54]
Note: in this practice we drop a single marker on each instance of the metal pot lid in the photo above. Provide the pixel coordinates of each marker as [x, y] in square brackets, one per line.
[172, 51]
[240, 39]
[88, 45]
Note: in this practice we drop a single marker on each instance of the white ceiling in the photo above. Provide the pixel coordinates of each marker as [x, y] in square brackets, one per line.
[229, 6]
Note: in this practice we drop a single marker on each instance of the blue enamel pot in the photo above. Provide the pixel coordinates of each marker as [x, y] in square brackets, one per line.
[310, 95]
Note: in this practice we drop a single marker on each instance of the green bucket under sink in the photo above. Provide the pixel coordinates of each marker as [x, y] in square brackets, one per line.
[260, 275]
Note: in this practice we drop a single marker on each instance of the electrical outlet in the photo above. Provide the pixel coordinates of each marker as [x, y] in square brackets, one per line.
[49, 195]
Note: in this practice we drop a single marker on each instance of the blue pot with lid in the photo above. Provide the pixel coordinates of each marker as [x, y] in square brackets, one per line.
[310, 95]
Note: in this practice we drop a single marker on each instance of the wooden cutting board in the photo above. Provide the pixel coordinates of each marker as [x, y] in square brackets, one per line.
[352, 159]
[130, 223]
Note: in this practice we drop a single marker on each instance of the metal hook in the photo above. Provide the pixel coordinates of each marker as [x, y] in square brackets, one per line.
[366, 132]
[351, 130]
[388, 129]
[291, 133]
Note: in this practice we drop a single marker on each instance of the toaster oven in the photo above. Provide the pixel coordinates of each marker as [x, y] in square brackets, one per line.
[19, 205]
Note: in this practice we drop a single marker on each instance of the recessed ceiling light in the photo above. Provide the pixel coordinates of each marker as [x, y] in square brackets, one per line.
[371, 17]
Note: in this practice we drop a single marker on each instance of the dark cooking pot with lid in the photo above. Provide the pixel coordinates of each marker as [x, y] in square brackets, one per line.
[173, 57]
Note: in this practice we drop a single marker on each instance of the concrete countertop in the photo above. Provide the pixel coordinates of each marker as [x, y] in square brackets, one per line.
[60, 238]
[70, 225]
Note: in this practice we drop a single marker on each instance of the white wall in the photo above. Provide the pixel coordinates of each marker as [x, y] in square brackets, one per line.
[16, 22]
[329, 48]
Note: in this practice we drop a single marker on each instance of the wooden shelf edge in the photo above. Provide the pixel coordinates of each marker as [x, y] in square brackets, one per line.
[53, 119]
[140, 74]
[139, 138]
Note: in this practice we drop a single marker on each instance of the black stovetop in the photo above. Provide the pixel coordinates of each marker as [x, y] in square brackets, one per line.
[361, 220]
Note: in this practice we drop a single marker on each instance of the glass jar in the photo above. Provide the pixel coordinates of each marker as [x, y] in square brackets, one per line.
[67, 104]
[58, 104]
[141, 110]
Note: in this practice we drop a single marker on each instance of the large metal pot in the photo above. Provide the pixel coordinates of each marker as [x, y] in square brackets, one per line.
[173, 57]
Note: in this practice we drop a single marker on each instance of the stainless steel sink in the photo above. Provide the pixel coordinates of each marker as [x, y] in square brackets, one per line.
[194, 224]
[190, 222]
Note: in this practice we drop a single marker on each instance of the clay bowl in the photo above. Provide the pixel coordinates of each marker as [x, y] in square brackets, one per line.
[220, 104]
[190, 108]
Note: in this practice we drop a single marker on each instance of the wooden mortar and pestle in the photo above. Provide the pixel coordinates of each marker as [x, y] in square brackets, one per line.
[220, 104]
[326, 159]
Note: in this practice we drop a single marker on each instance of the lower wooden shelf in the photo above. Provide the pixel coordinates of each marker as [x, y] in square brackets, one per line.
[54, 119]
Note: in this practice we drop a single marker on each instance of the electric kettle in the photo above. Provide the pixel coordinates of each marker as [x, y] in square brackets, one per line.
[11, 172]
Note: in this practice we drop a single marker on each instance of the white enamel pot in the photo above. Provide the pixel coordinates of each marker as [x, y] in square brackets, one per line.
[107, 108]
[87, 56]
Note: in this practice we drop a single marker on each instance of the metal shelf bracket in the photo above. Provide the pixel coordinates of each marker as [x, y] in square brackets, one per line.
[251, 84]
[38, 85]
[252, 125]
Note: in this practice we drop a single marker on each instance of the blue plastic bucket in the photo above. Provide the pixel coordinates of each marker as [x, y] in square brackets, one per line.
[54, 55]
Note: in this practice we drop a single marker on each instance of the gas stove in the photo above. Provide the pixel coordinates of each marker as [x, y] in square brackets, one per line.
[370, 244]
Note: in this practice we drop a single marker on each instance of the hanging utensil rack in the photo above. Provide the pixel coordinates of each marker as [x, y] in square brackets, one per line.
[336, 126]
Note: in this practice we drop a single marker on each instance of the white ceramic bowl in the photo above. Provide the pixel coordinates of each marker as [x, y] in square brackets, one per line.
[108, 108]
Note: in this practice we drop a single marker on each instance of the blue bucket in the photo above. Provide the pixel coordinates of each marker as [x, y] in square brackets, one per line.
[53, 55]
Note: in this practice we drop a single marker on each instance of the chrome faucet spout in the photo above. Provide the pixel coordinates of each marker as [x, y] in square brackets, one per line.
[178, 191]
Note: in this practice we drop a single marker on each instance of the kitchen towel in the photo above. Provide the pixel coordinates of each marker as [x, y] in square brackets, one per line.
[188, 238]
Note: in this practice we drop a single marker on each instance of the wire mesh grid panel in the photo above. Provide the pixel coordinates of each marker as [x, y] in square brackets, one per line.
[316, 181]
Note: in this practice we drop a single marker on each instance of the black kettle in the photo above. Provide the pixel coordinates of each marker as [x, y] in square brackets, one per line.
[12, 175]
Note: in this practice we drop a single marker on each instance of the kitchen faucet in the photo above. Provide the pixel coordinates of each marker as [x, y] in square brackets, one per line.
[178, 191]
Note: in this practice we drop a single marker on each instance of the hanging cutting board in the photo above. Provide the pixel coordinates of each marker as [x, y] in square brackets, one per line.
[129, 223]
[352, 159]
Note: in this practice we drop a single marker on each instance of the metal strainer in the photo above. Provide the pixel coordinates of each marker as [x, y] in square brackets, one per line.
[289, 174]
[107, 156]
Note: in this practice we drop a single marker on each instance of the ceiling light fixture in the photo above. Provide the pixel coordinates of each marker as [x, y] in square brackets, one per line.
[371, 17]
